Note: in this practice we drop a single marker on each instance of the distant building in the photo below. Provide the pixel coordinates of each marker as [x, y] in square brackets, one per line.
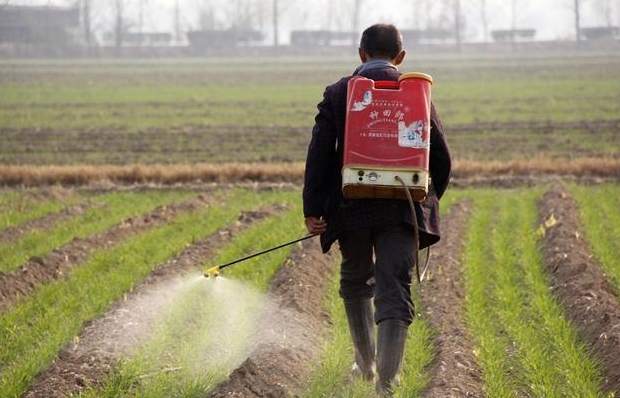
[306, 38]
[426, 35]
[511, 35]
[41, 30]
[601, 33]
[214, 41]
[147, 39]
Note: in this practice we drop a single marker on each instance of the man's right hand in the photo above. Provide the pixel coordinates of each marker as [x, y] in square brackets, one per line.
[315, 225]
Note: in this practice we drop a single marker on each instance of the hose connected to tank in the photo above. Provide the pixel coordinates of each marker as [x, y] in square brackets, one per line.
[416, 234]
[215, 271]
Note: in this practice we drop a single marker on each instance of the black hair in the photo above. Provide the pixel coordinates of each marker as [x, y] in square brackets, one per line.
[382, 40]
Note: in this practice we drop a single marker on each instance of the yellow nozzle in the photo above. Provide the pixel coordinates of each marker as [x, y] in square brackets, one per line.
[213, 272]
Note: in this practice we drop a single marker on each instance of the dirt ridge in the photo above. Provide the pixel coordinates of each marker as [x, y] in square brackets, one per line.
[277, 370]
[13, 233]
[56, 264]
[454, 372]
[589, 299]
[88, 360]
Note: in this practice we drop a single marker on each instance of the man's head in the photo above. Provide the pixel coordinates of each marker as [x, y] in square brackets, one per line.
[382, 41]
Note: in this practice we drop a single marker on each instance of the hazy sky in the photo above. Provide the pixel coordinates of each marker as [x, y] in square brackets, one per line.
[552, 19]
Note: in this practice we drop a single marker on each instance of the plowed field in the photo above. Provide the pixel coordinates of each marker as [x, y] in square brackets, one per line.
[280, 364]
[122, 183]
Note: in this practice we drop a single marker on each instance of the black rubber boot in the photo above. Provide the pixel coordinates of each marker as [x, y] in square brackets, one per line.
[362, 329]
[391, 338]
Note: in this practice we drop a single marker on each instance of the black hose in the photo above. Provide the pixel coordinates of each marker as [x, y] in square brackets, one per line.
[416, 231]
[265, 251]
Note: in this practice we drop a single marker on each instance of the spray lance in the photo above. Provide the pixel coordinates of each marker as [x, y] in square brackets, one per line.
[214, 272]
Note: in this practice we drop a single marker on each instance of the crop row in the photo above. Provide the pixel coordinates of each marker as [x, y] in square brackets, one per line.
[260, 111]
[39, 325]
[523, 341]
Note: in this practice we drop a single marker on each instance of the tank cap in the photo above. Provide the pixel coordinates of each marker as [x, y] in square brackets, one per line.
[416, 75]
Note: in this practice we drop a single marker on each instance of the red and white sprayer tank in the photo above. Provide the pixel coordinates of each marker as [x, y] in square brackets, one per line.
[387, 137]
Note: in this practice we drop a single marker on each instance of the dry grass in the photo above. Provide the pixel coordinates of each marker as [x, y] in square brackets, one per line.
[282, 172]
[606, 167]
[159, 173]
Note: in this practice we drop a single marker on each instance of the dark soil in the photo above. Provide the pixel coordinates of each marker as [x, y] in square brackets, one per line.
[88, 360]
[589, 300]
[59, 262]
[54, 193]
[12, 234]
[454, 373]
[278, 143]
[277, 369]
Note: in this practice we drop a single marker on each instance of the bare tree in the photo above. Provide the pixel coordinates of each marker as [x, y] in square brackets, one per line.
[483, 20]
[577, 21]
[86, 20]
[177, 22]
[140, 16]
[604, 9]
[513, 16]
[279, 9]
[428, 12]
[119, 25]
[513, 22]
[275, 23]
[357, 5]
[457, 24]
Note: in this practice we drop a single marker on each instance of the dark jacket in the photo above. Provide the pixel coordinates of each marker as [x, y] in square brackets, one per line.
[322, 193]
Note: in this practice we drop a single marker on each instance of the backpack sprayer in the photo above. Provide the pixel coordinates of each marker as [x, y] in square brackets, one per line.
[386, 147]
[387, 142]
[214, 272]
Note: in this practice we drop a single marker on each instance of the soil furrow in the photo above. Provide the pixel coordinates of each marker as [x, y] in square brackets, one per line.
[46, 222]
[197, 130]
[88, 360]
[547, 126]
[57, 264]
[589, 299]
[276, 370]
[455, 372]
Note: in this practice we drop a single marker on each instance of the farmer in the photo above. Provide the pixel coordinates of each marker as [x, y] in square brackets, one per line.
[375, 236]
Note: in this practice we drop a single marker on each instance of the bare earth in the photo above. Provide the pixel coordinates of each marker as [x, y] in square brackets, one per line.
[277, 368]
[455, 373]
[59, 262]
[580, 285]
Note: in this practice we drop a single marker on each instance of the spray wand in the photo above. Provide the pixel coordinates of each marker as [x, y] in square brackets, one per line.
[215, 271]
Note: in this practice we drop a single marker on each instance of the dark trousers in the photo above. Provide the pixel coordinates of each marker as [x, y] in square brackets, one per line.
[387, 253]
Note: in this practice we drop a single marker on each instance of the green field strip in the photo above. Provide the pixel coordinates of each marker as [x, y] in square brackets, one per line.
[20, 210]
[207, 330]
[509, 299]
[331, 375]
[106, 210]
[518, 143]
[106, 107]
[11, 200]
[161, 145]
[192, 348]
[529, 99]
[165, 96]
[599, 211]
[34, 330]
[269, 233]
[123, 117]
[419, 354]
[491, 345]
[244, 107]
